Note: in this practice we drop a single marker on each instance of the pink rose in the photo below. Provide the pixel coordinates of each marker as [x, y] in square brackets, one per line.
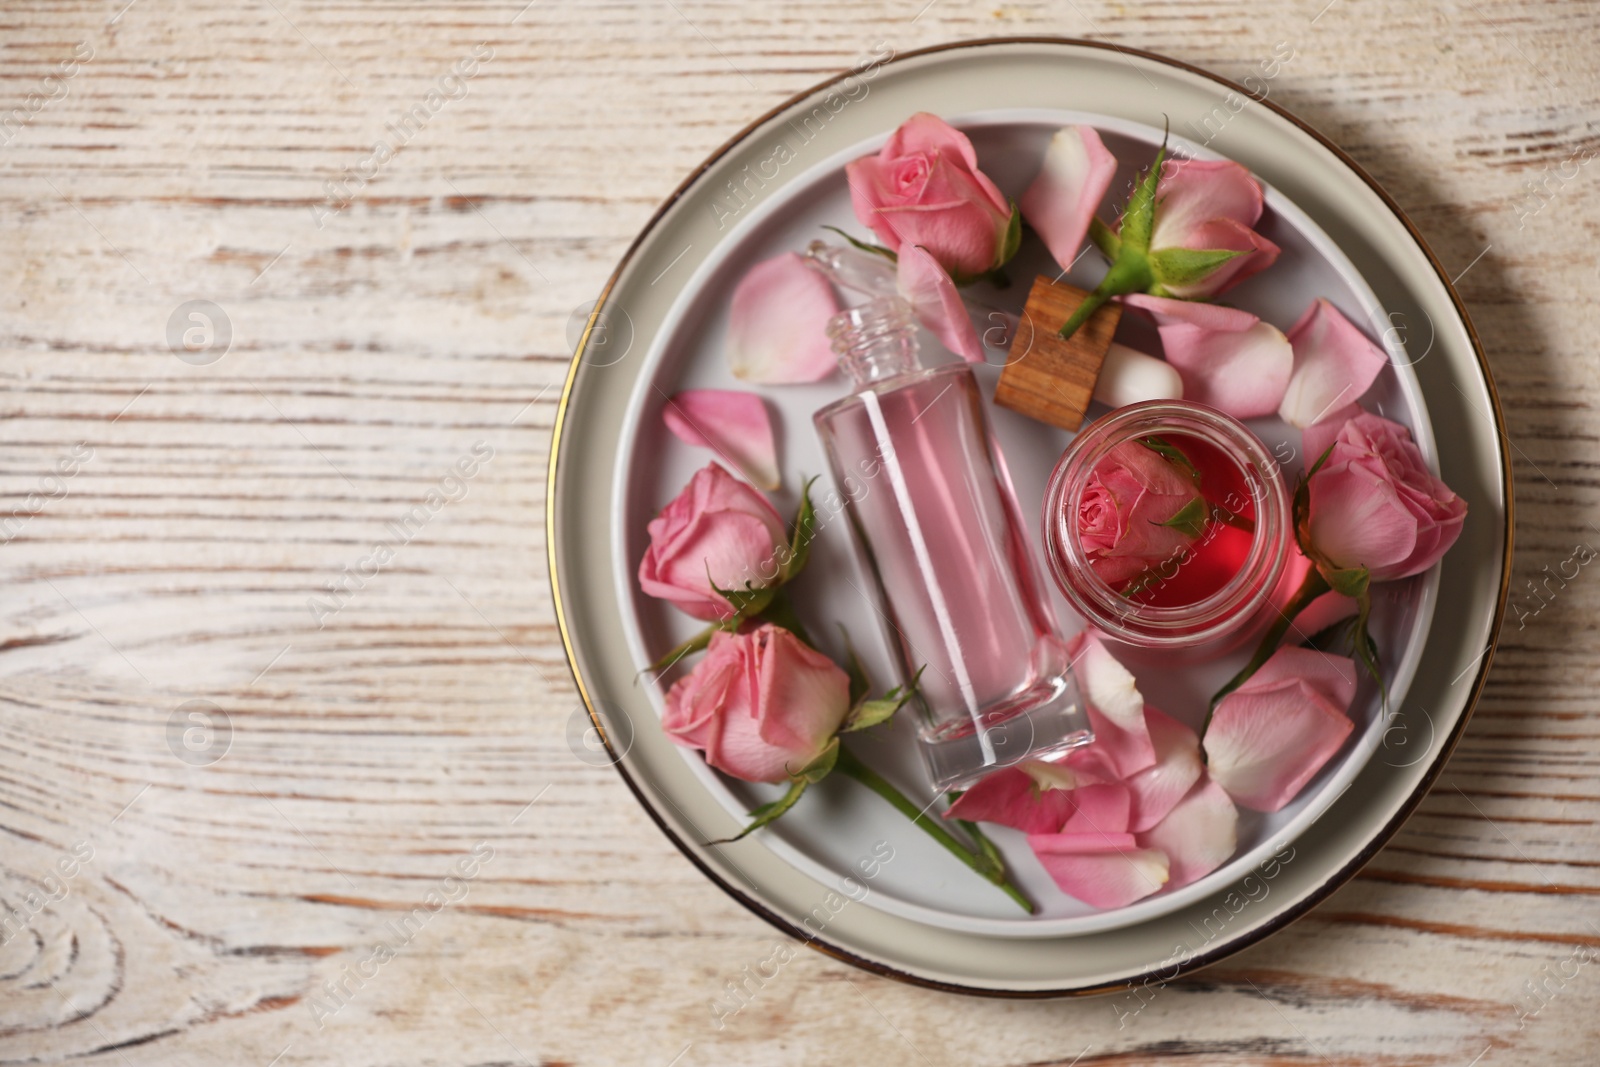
[717, 530]
[1375, 504]
[1204, 205]
[760, 705]
[924, 188]
[1130, 493]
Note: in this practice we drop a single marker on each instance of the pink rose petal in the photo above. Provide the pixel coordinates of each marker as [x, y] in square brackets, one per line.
[1158, 787]
[1211, 204]
[1334, 363]
[1228, 359]
[1270, 736]
[927, 287]
[1098, 809]
[1198, 835]
[1011, 797]
[1102, 870]
[777, 326]
[733, 424]
[1077, 172]
[1116, 711]
[1320, 435]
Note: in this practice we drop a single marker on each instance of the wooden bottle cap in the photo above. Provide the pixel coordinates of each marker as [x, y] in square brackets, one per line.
[1049, 379]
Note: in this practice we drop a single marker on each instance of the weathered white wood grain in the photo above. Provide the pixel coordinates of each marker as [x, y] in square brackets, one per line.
[228, 912]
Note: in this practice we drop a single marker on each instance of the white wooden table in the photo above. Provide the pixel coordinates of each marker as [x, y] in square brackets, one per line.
[209, 883]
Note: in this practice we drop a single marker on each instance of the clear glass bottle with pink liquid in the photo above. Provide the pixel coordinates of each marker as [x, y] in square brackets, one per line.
[931, 503]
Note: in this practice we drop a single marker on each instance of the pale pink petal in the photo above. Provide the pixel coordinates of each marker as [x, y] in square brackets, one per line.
[733, 424]
[927, 287]
[1098, 809]
[1116, 711]
[1064, 197]
[1192, 192]
[1169, 311]
[1106, 683]
[1198, 835]
[1320, 435]
[1270, 736]
[1258, 254]
[777, 326]
[1333, 678]
[1334, 363]
[1228, 359]
[1011, 797]
[1157, 788]
[1102, 870]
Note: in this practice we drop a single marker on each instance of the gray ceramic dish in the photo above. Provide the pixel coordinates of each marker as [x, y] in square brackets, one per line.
[953, 939]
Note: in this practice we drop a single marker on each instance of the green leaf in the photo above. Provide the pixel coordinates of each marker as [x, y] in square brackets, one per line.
[1351, 581]
[805, 531]
[876, 250]
[1012, 239]
[1186, 266]
[1190, 519]
[1173, 455]
[1104, 238]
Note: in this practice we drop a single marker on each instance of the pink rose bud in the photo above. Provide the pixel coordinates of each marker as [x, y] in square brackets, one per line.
[1375, 503]
[924, 188]
[760, 705]
[1131, 493]
[718, 530]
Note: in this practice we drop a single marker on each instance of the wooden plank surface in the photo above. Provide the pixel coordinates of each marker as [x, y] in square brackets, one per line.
[198, 890]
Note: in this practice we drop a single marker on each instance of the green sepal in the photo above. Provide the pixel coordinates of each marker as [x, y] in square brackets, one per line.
[694, 644]
[1104, 238]
[870, 713]
[799, 781]
[805, 531]
[877, 250]
[860, 681]
[1138, 218]
[747, 602]
[1350, 581]
[821, 764]
[1186, 266]
[769, 812]
[1012, 239]
[1190, 519]
[1173, 455]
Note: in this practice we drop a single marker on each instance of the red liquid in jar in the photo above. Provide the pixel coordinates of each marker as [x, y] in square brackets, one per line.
[1214, 558]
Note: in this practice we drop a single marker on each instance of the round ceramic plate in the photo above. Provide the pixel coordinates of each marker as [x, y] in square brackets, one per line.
[658, 328]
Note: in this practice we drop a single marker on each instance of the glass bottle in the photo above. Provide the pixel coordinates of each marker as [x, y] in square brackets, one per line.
[1212, 593]
[928, 495]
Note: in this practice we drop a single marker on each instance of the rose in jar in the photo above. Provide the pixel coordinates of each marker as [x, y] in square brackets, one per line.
[1131, 514]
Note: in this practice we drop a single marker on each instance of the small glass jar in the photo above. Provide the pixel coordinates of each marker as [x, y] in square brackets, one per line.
[1241, 531]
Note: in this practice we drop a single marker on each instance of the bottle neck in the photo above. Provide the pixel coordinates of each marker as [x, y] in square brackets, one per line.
[875, 341]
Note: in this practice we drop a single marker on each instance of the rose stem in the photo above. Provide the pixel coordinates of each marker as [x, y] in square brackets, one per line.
[1313, 586]
[854, 768]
